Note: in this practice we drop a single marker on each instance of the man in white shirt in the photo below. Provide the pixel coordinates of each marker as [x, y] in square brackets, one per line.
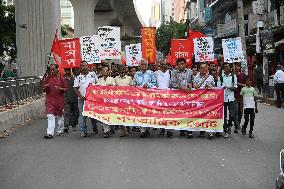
[123, 80]
[203, 80]
[279, 84]
[163, 82]
[81, 83]
[228, 81]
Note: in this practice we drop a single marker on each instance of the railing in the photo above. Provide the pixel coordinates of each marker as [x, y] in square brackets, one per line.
[15, 91]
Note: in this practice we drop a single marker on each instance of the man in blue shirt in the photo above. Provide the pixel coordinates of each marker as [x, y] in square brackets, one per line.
[228, 82]
[144, 78]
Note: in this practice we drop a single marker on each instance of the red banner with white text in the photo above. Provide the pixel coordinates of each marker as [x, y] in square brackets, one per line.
[182, 48]
[198, 110]
[70, 53]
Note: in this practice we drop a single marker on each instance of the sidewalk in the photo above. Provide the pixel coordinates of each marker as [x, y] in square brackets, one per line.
[20, 115]
[269, 101]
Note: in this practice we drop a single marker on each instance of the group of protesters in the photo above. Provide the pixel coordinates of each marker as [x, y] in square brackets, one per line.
[65, 96]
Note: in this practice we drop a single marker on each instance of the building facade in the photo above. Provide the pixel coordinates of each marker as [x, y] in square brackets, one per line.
[173, 10]
[67, 13]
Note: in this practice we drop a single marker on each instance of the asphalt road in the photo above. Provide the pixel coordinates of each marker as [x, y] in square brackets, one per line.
[27, 161]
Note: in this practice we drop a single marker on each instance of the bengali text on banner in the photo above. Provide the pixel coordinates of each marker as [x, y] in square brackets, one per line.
[198, 110]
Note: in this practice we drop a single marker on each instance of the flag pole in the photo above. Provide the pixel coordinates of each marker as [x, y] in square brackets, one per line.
[50, 49]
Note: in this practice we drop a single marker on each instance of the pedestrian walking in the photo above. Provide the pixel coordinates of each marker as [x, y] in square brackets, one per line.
[163, 82]
[54, 86]
[241, 83]
[81, 83]
[258, 75]
[106, 80]
[204, 81]
[70, 103]
[144, 78]
[279, 85]
[249, 106]
[123, 80]
[228, 82]
[181, 78]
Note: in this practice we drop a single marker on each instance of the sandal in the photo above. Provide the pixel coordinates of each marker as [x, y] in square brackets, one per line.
[47, 136]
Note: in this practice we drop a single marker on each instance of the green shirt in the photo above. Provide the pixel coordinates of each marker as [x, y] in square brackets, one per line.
[248, 94]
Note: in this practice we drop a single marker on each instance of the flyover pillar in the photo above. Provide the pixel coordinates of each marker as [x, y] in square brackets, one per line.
[36, 23]
[84, 21]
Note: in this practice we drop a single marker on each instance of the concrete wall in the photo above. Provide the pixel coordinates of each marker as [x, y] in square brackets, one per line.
[16, 116]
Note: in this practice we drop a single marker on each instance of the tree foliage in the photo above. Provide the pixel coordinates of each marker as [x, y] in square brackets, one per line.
[7, 30]
[173, 30]
[168, 31]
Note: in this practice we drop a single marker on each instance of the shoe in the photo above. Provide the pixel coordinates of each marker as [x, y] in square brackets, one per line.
[143, 134]
[169, 134]
[135, 129]
[202, 134]
[106, 135]
[210, 136]
[218, 134]
[154, 129]
[182, 133]
[251, 135]
[229, 130]
[47, 136]
[95, 130]
[122, 135]
[112, 132]
[226, 135]
[74, 128]
[128, 130]
[189, 134]
[147, 132]
[84, 135]
[116, 127]
[244, 131]
[236, 131]
[66, 130]
[162, 132]
[60, 134]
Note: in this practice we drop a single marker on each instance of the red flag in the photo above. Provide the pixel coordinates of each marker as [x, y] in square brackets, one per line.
[123, 60]
[70, 53]
[169, 58]
[182, 48]
[194, 34]
[55, 45]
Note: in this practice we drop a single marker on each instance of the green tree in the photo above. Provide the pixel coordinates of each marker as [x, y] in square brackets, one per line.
[172, 30]
[7, 30]
[168, 31]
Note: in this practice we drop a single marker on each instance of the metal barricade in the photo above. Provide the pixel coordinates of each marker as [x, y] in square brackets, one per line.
[16, 91]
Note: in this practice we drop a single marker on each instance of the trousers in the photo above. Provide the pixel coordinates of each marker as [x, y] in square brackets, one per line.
[70, 114]
[51, 124]
[249, 118]
[228, 123]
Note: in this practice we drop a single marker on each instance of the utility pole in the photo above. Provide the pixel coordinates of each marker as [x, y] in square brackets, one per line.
[240, 8]
[265, 59]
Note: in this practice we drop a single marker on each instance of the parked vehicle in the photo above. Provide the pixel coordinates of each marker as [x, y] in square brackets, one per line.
[280, 178]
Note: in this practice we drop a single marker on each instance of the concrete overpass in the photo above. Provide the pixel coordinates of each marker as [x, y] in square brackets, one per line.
[37, 21]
